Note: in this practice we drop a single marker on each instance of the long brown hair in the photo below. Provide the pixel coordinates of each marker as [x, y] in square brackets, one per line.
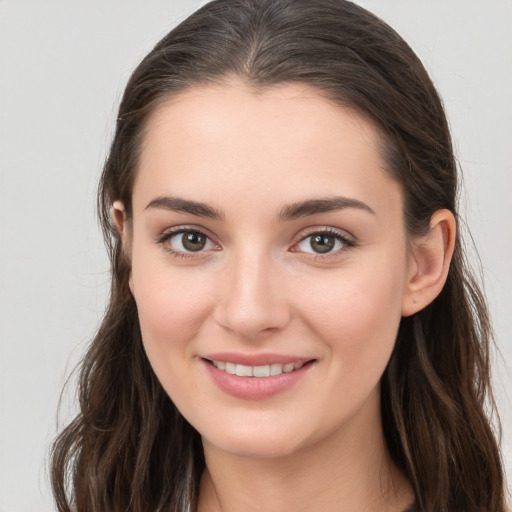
[129, 449]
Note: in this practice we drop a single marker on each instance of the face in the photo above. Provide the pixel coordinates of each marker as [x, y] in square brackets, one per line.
[269, 265]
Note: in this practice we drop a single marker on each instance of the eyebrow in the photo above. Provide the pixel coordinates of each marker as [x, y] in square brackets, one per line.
[180, 205]
[315, 206]
[289, 212]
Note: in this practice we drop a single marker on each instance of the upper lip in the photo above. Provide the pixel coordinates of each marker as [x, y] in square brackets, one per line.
[256, 359]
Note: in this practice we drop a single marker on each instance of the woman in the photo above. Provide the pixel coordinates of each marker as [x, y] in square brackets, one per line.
[292, 325]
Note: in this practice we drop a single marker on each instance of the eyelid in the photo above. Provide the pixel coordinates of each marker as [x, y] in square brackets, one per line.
[168, 233]
[312, 230]
[341, 235]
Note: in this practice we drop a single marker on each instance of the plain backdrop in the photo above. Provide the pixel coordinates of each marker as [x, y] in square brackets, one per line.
[63, 66]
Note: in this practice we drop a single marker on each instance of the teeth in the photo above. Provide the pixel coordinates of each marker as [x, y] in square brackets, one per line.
[287, 368]
[261, 371]
[269, 370]
[276, 369]
[243, 371]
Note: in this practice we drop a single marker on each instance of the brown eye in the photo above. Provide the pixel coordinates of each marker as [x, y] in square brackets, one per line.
[186, 242]
[193, 241]
[321, 243]
[324, 242]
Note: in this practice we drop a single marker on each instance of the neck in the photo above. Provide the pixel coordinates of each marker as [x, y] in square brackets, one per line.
[351, 470]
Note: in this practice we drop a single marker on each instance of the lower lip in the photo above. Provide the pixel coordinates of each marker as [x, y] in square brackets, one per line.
[255, 388]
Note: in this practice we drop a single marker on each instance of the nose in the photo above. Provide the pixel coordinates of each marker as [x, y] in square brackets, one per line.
[252, 299]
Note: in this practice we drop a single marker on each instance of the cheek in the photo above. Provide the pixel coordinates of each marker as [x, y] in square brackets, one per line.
[171, 309]
[357, 314]
[169, 316]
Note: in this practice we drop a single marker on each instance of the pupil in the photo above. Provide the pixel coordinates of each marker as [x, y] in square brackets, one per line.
[322, 243]
[193, 241]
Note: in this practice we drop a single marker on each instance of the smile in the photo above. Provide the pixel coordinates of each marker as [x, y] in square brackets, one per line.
[268, 370]
[268, 375]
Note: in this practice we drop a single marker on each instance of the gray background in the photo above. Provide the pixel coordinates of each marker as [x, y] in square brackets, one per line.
[63, 65]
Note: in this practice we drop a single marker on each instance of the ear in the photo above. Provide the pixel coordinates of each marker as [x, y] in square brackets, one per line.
[120, 220]
[430, 261]
[119, 216]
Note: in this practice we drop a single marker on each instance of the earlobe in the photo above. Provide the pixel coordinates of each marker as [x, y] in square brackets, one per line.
[431, 257]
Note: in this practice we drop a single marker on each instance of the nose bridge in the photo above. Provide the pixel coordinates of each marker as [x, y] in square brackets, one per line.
[252, 301]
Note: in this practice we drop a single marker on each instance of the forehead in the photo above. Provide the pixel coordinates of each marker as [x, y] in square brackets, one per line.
[283, 143]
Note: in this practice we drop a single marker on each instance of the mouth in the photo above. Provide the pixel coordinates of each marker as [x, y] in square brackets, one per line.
[268, 370]
[268, 375]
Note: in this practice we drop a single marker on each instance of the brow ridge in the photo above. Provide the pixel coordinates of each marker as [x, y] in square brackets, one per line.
[289, 212]
[323, 205]
[180, 205]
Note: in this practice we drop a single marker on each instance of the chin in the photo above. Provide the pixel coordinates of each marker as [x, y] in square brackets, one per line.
[249, 449]
[254, 444]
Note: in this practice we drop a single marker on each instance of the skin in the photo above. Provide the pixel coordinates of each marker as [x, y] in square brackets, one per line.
[258, 286]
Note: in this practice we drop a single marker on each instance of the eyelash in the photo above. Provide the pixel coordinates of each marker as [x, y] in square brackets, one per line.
[346, 242]
[167, 235]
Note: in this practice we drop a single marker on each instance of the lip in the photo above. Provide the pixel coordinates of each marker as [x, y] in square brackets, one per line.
[255, 388]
